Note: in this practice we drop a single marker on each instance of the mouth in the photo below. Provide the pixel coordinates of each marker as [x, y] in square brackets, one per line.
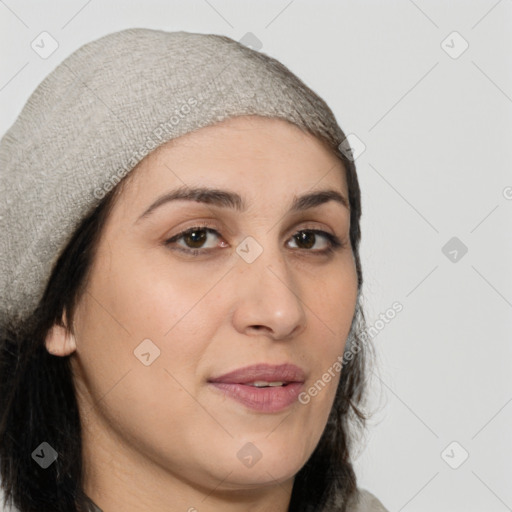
[264, 384]
[262, 387]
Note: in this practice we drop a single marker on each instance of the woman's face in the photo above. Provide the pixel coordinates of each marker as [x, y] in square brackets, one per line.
[158, 323]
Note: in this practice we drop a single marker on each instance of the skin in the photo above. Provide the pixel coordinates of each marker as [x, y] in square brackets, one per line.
[158, 437]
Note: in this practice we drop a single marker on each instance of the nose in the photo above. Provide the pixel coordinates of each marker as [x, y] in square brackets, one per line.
[267, 298]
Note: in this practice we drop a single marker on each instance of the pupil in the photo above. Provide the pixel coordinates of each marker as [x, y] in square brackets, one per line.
[304, 236]
[199, 240]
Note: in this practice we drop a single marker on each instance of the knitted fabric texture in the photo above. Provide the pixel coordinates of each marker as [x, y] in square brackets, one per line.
[100, 112]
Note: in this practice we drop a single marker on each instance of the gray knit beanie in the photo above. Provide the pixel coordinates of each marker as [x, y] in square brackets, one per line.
[103, 109]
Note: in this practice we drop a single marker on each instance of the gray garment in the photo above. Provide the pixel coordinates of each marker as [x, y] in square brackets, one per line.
[364, 501]
[91, 506]
[100, 112]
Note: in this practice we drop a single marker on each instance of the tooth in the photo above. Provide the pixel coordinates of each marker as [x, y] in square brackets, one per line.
[259, 383]
[262, 383]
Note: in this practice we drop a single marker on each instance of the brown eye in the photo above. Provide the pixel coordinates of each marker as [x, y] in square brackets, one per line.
[307, 238]
[194, 238]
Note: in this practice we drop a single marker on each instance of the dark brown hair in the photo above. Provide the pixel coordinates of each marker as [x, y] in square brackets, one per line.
[38, 401]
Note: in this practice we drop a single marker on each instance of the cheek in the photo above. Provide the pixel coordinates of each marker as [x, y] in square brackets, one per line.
[142, 381]
[150, 295]
[331, 316]
[331, 297]
[141, 324]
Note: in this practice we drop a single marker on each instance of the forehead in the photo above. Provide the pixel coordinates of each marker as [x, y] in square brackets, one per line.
[244, 133]
[256, 156]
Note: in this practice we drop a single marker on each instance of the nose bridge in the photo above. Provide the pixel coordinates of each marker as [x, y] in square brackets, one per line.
[268, 295]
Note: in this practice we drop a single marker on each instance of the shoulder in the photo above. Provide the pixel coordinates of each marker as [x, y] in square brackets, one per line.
[365, 501]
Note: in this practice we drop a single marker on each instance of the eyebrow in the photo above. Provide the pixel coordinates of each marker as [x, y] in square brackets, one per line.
[227, 199]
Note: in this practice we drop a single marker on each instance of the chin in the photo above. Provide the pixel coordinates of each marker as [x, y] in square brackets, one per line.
[265, 476]
[259, 464]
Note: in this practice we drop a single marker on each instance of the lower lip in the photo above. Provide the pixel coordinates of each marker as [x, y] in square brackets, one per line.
[270, 399]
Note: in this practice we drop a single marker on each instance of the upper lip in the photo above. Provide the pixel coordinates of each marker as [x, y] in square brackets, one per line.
[263, 372]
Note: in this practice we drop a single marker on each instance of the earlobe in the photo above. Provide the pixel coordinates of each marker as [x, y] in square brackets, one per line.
[60, 341]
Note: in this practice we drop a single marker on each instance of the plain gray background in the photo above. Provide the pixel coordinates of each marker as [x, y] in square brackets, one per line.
[435, 118]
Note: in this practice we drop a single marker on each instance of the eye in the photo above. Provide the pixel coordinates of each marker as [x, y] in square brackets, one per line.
[309, 237]
[196, 237]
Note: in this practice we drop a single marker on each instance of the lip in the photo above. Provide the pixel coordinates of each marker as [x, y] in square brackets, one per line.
[271, 373]
[270, 399]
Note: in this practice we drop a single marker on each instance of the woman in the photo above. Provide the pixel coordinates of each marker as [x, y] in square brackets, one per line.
[181, 310]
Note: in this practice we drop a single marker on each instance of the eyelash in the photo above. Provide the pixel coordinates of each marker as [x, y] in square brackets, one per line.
[334, 242]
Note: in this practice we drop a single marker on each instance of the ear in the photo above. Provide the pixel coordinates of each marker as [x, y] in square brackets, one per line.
[59, 340]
